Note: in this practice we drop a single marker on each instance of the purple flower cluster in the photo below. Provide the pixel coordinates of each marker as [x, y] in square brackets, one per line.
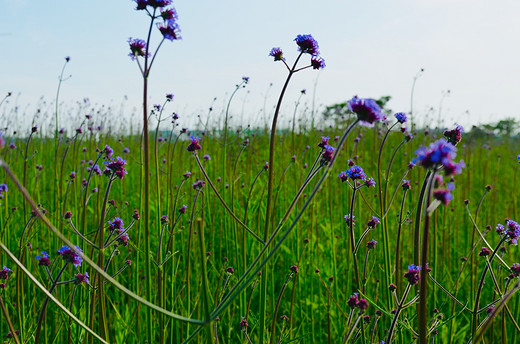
[401, 117]
[277, 54]
[354, 173]
[327, 154]
[70, 256]
[307, 44]
[324, 141]
[43, 260]
[437, 154]
[116, 167]
[413, 274]
[444, 195]
[137, 48]
[194, 144]
[81, 278]
[373, 222]
[116, 225]
[512, 231]
[355, 301]
[4, 273]
[366, 109]
[454, 136]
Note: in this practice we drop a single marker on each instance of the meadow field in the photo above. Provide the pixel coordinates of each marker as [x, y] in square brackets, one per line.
[349, 225]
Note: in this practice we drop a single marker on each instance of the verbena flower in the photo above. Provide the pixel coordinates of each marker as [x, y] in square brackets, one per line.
[137, 48]
[324, 141]
[401, 117]
[194, 144]
[81, 278]
[512, 230]
[198, 185]
[406, 185]
[370, 182]
[413, 274]
[371, 244]
[373, 222]
[123, 240]
[206, 157]
[307, 44]
[515, 269]
[326, 156]
[350, 218]
[43, 260]
[444, 195]
[353, 300]
[354, 173]
[170, 30]
[439, 153]
[4, 273]
[484, 252]
[159, 3]
[70, 256]
[317, 62]
[366, 109]
[117, 167]
[454, 136]
[116, 225]
[277, 53]
[169, 14]
[108, 151]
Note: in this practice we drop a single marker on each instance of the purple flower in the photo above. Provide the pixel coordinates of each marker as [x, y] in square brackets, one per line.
[294, 269]
[413, 274]
[117, 167]
[126, 150]
[512, 231]
[366, 109]
[206, 157]
[141, 4]
[230, 270]
[159, 3]
[243, 323]
[3, 187]
[277, 54]
[170, 30]
[245, 79]
[401, 117]
[350, 219]
[70, 256]
[307, 44]
[81, 278]
[44, 260]
[353, 300]
[4, 273]
[373, 222]
[183, 209]
[198, 185]
[516, 269]
[454, 136]
[406, 185]
[355, 173]
[444, 195]
[317, 62]
[438, 153]
[137, 48]
[370, 182]
[108, 151]
[324, 141]
[371, 244]
[123, 240]
[169, 14]
[484, 252]
[194, 144]
[116, 225]
[326, 156]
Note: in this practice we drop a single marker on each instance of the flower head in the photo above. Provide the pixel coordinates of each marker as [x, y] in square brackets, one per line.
[373, 222]
[354, 173]
[194, 144]
[116, 225]
[326, 156]
[454, 136]
[444, 195]
[371, 244]
[439, 153]
[324, 141]
[515, 269]
[366, 109]
[206, 157]
[4, 273]
[401, 117]
[370, 182]
[70, 256]
[512, 230]
[413, 274]
[81, 278]
[307, 44]
[317, 62]
[170, 30]
[198, 185]
[277, 54]
[350, 219]
[137, 48]
[44, 260]
[484, 252]
[117, 167]
[406, 185]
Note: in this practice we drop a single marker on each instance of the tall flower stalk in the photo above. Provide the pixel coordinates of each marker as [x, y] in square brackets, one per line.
[139, 49]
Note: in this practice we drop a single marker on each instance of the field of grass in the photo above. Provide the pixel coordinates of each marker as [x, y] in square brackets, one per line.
[359, 228]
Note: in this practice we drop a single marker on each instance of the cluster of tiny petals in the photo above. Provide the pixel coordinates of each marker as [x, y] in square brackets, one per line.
[413, 274]
[116, 225]
[370, 182]
[355, 301]
[401, 117]
[324, 141]
[81, 278]
[43, 260]
[454, 136]
[438, 153]
[277, 54]
[373, 222]
[137, 48]
[512, 230]
[515, 269]
[366, 109]
[70, 256]
[194, 144]
[354, 173]
[406, 185]
[484, 252]
[444, 195]
[371, 244]
[117, 167]
[170, 30]
[350, 218]
[327, 154]
[317, 62]
[4, 273]
[198, 185]
[307, 44]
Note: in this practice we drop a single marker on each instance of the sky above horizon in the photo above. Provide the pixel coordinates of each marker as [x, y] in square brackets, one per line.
[371, 49]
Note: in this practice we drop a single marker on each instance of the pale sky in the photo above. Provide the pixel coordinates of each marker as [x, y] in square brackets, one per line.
[371, 48]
